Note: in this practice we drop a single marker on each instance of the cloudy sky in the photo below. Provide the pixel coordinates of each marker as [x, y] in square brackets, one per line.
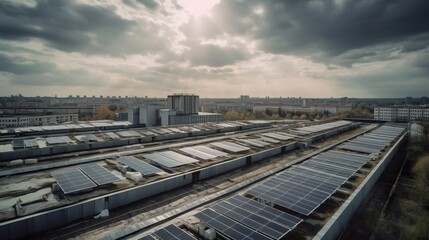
[215, 48]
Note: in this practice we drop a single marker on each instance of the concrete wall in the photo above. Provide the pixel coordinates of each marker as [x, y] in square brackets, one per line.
[344, 214]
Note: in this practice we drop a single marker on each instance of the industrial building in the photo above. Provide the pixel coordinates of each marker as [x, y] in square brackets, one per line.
[230, 180]
[401, 113]
[35, 120]
[182, 109]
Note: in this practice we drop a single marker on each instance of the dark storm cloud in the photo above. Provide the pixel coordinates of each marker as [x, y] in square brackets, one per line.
[72, 27]
[23, 66]
[320, 29]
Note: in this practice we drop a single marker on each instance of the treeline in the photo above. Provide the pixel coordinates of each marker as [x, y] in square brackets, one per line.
[105, 112]
[359, 110]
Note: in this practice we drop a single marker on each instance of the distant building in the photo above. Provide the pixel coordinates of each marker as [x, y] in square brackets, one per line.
[145, 115]
[401, 113]
[169, 117]
[36, 120]
[182, 109]
[184, 103]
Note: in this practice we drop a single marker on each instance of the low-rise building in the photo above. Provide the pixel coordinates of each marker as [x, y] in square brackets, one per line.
[401, 113]
[37, 120]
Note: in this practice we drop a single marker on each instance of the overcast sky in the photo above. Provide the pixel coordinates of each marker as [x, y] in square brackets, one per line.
[215, 48]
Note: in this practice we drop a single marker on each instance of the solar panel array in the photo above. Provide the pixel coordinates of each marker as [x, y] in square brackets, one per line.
[197, 153]
[18, 143]
[98, 173]
[299, 189]
[270, 140]
[73, 181]
[127, 134]
[258, 217]
[277, 136]
[228, 227]
[142, 167]
[163, 161]
[58, 140]
[210, 151]
[254, 142]
[169, 232]
[320, 127]
[31, 143]
[178, 157]
[82, 138]
[375, 141]
[229, 146]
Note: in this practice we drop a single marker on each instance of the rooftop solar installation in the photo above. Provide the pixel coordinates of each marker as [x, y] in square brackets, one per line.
[254, 142]
[73, 181]
[142, 167]
[266, 211]
[98, 173]
[6, 148]
[81, 138]
[229, 146]
[321, 127]
[18, 143]
[58, 140]
[110, 135]
[228, 227]
[270, 140]
[92, 137]
[196, 153]
[299, 189]
[259, 217]
[178, 157]
[277, 136]
[172, 232]
[163, 161]
[31, 143]
[374, 141]
[127, 134]
[148, 133]
[210, 151]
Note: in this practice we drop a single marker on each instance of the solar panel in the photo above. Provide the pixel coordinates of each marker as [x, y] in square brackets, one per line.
[254, 142]
[210, 151]
[73, 181]
[98, 174]
[277, 136]
[299, 189]
[142, 167]
[81, 138]
[127, 134]
[263, 210]
[31, 143]
[92, 137]
[58, 140]
[178, 157]
[18, 143]
[164, 161]
[110, 135]
[270, 140]
[172, 232]
[197, 153]
[229, 146]
[228, 227]
[272, 222]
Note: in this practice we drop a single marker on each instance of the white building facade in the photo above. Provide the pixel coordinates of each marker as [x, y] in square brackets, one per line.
[18, 121]
[401, 113]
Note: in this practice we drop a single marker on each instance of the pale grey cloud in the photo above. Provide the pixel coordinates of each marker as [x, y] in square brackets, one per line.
[261, 47]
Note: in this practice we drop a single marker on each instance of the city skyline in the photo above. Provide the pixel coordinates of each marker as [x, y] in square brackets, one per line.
[215, 48]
